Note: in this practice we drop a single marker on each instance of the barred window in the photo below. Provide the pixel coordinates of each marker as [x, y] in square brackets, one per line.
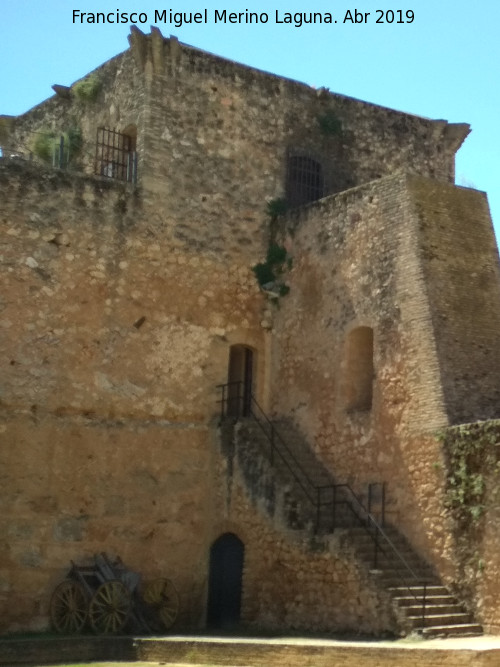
[115, 154]
[304, 180]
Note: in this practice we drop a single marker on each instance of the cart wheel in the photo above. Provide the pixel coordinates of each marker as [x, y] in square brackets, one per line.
[110, 607]
[68, 607]
[161, 594]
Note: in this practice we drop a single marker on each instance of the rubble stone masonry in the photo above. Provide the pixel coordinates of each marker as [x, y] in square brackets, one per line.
[121, 301]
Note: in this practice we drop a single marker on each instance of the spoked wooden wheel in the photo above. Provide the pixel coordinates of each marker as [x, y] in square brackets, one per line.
[110, 607]
[161, 595]
[68, 607]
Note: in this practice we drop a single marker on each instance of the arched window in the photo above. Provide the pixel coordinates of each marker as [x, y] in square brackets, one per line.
[304, 181]
[358, 380]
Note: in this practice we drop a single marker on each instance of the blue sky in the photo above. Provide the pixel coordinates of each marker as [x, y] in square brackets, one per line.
[445, 64]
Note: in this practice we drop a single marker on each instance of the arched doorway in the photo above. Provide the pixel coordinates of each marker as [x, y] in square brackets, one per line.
[240, 379]
[225, 582]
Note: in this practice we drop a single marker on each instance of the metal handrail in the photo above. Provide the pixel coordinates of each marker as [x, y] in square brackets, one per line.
[364, 517]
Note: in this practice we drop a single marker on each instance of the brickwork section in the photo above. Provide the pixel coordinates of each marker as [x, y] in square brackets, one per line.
[461, 269]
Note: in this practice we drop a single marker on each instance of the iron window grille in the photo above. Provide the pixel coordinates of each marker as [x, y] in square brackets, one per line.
[115, 155]
[304, 180]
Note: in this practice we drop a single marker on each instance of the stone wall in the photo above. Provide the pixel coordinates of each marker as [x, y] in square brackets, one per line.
[116, 318]
[121, 302]
[361, 258]
[76, 486]
[293, 581]
[226, 130]
[468, 468]
[115, 337]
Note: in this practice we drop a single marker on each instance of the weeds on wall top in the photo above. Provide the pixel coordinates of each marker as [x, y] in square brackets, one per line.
[87, 89]
[470, 453]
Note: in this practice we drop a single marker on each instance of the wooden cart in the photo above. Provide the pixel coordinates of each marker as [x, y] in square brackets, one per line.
[109, 598]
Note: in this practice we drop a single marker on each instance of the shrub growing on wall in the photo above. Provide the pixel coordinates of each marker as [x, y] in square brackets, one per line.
[329, 124]
[46, 146]
[87, 89]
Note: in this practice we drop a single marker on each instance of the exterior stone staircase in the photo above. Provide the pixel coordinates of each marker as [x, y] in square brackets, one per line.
[439, 613]
[422, 603]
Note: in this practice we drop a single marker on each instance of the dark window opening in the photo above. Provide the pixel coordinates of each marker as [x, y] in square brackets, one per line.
[359, 369]
[116, 155]
[304, 180]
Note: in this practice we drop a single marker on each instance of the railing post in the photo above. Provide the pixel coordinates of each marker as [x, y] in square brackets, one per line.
[239, 400]
[61, 151]
[382, 518]
[375, 555]
[318, 507]
[424, 600]
[370, 498]
[334, 507]
[222, 402]
[272, 444]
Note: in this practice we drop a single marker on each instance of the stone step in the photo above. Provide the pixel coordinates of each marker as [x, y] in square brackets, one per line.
[460, 630]
[394, 582]
[396, 564]
[391, 577]
[433, 620]
[418, 590]
[410, 601]
[415, 610]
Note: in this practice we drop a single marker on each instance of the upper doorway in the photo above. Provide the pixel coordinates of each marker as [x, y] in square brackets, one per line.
[240, 379]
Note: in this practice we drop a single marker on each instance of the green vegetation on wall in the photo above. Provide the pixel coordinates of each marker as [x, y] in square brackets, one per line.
[87, 89]
[330, 124]
[270, 274]
[471, 456]
[47, 146]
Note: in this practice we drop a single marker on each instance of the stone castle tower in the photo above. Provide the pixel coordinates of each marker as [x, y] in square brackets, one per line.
[176, 222]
